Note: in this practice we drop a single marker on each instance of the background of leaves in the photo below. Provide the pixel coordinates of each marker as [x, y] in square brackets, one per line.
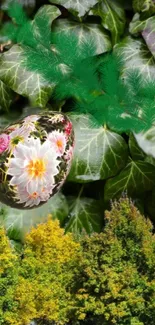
[105, 163]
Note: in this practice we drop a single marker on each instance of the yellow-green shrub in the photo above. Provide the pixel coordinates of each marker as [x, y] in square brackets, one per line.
[118, 271]
[39, 285]
[47, 274]
[8, 281]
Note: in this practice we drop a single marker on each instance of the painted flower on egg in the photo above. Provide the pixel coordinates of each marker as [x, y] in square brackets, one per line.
[35, 157]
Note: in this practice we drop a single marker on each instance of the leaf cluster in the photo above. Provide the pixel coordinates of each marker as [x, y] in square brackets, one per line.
[96, 87]
[84, 78]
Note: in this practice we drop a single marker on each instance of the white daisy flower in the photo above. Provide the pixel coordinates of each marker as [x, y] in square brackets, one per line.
[58, 142]
[35, 197]
[34, 165]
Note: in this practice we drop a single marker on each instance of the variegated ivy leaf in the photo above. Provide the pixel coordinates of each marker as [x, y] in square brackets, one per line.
[76, 7]
[18, 222]
[113, 17]
[99, 153]
[84, 215]
[42, 23]
[6, 96]
[137, 56]
[23, 82]
[146, 141]
[85, 32]
[136, 178]
[146, 28]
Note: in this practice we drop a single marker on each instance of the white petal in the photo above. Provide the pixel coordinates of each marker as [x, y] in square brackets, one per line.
[16, 162]
[32, 186]
[13, 181]
[14, 171]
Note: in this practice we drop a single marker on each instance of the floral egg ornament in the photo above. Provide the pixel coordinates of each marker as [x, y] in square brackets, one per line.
[35, 158]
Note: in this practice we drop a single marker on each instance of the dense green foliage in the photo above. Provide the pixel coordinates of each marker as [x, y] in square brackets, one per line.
[118, 270]
[106, 278]
[107, 161]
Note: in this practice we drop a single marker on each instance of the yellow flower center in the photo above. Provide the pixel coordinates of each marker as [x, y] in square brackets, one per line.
[36, 168]
[59, 144]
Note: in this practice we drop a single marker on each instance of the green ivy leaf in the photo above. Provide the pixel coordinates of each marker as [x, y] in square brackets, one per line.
[85, 32]
[136, 178]
[135, 150]
[6, 96]
[18, 222]
[7, 119]
[113, 17]
[136, 25]
[42, 23]
[136, 55]
[76, 7]
[24, 82]
[99, 153]
[146, 7]
[84, 215]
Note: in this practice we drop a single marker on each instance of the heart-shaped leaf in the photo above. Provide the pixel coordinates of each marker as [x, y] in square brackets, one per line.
[99, 153]
[18, 222]
[84, 32]
[84, 215]
[136, 178]
[113, 17]
[42, 23]
[136, 55]
[76, 7]
[6, 96]
[24, 82]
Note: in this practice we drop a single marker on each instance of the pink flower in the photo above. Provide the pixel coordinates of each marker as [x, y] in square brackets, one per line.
[58, 142]
[68, 128]
[4, 142]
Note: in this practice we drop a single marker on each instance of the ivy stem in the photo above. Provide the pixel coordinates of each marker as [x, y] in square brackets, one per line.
[81, 190]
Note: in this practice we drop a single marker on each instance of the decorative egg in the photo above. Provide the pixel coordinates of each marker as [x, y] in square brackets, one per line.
[35, 158]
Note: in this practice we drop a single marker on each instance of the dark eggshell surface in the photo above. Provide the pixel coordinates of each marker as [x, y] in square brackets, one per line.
[35, 158]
